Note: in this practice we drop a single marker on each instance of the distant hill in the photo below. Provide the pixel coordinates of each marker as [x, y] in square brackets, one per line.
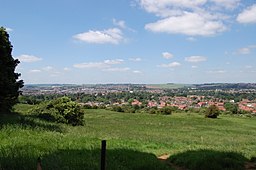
[168, 86]
[212, 86]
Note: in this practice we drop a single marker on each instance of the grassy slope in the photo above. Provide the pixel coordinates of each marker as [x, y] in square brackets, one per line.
[133, 140]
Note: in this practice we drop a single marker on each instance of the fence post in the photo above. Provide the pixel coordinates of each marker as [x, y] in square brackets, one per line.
[39, 165]
[103, 154]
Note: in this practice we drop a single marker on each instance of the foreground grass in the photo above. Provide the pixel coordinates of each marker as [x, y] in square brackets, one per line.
[133, 141]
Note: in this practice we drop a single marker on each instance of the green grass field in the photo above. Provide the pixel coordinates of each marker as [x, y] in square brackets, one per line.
[134, 141]
[168, 86]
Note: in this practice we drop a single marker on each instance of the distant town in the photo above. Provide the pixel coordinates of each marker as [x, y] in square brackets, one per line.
[182, 97]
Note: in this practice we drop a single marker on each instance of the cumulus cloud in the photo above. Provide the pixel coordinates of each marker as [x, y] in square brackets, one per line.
[217, 71]
[137, 72]
[91, 65]
[35, 71]
[167, 55]
[246, 50]
[228, 4]
[248, 66]
[48, 68]
[9, 29]
[67, 69]
[248, 15]
[195, 59]
[135, 59]
[119, 23]
[28, 58]
[100, 65]
[116, 61]
[112, 36]
[170, 65]
[193, 18]
[116, 69]
[169, 7]
[191, 24]
[191, 39]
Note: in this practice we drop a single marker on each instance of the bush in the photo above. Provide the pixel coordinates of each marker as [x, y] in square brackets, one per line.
[166, 110]
[116, 108]
[61, 110]
[212, 111]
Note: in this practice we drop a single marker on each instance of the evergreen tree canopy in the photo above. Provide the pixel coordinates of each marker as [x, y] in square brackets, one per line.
[9, 83]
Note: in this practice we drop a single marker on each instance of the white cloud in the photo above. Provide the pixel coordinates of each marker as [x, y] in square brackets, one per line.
[91, 65]
[116, 61]
[171, 65]
[116, 69]
[35, 71]
[9, 29]
[248, 67]
[113, 36]
[194, 67]
[195, 59]
[167, 55]
[137, 72]
[48, 68]
[217, 71]
[135, 59]
[120, 23]
[28, 58]
[248, 15]
[166, 8]
[246, 50]
[192, 39]
[228, 4]
[193, 18]
[66, 69]
[100, 65]
[191, 24]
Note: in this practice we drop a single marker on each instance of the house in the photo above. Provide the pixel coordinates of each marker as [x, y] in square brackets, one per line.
[152, 104]
[136, 102]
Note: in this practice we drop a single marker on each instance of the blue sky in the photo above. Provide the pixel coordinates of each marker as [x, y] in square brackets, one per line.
[132, 41]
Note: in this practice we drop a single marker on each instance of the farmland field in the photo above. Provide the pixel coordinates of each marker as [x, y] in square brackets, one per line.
[167, 86]
[134, 141]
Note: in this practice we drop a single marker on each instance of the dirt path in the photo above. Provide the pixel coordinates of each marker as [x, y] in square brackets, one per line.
[250, 165]
[163, 158]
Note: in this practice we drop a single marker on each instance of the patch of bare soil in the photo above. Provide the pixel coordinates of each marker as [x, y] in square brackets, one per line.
[163, 158]
[250, 165]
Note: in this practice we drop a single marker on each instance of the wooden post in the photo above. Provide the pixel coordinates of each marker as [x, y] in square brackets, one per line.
[103, 154]
[39, 165]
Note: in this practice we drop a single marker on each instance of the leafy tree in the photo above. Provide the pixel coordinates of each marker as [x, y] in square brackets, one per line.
[9, 83]
[212, 111]
[62, 110]
[231, 107]
[167, 110]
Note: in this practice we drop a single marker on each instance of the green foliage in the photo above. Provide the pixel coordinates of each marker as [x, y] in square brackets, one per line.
[212, 111]
[166, 110]
[61, 110]
[231, 107]
[9, 83]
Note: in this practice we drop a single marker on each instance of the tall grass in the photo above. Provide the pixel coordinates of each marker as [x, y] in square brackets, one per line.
[133, 140]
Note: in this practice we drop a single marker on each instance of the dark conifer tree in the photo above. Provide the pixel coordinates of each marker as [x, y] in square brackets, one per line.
[9, 83]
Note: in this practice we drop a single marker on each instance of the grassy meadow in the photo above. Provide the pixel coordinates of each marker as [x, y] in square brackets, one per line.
[134, 141]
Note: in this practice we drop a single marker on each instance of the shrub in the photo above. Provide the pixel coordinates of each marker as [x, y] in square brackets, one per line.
[166, 110]
[212, 111]
[61, 110]
[116, 108]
